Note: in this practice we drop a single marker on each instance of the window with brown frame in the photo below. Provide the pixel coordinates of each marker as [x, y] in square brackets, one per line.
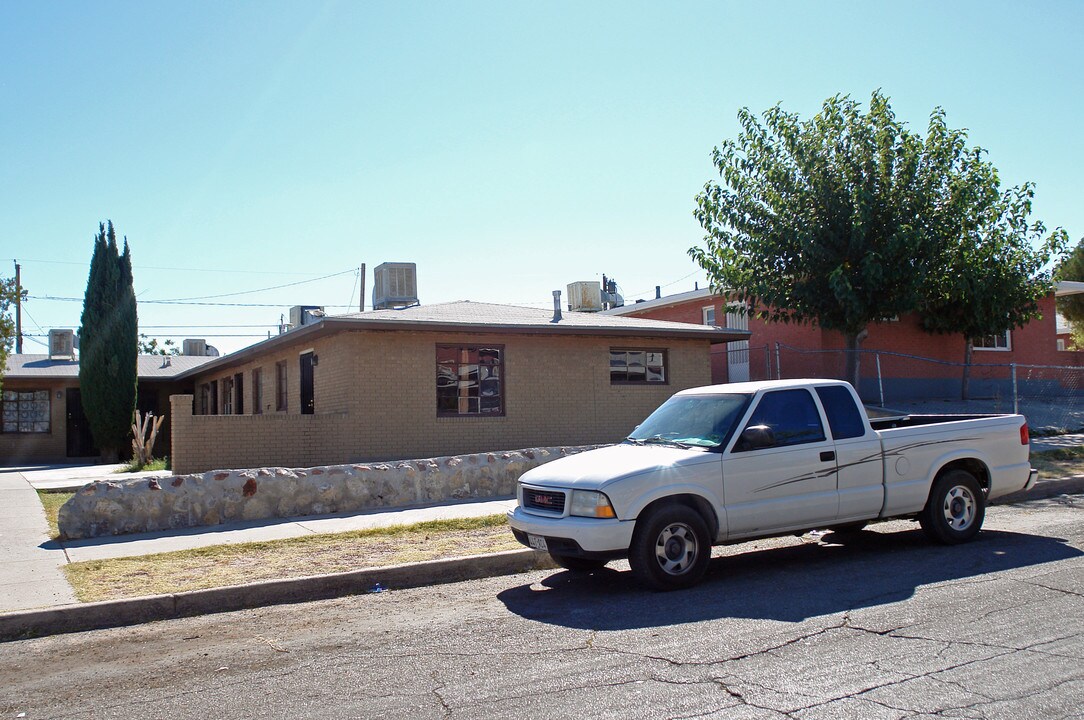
[25, 411]
[257, 391]
[637, 365]
[280, 385]
[470, 380]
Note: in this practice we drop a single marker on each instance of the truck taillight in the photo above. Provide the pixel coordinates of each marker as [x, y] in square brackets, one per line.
[1024, 437]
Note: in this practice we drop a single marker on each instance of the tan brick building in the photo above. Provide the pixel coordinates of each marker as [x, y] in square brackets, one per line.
[41, 411]
[434, 380]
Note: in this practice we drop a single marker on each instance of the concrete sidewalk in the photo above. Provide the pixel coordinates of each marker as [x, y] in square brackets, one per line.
[30, 563]
[31, 575]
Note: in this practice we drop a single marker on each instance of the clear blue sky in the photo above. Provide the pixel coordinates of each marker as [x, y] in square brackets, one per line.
[507, 148]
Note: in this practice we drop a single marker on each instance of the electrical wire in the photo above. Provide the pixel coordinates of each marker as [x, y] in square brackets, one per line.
[357, 276]
[176, 302]
[157, 267]
[250, 292]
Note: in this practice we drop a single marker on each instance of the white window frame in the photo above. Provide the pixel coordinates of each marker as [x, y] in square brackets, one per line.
[704, 312]
[1008, 343]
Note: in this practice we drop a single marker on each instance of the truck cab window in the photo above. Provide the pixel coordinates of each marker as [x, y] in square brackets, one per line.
[792, 416]
[844, 417]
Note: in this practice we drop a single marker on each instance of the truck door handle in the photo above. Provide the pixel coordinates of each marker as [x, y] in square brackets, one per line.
[828, 455]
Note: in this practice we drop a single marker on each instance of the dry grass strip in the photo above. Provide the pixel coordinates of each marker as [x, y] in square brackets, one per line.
[223, 565]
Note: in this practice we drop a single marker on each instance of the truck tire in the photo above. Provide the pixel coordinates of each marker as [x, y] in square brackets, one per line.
[955, 510]
[573, 563]
[670, 548]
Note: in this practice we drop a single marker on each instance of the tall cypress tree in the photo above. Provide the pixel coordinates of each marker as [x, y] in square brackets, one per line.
[108, 344]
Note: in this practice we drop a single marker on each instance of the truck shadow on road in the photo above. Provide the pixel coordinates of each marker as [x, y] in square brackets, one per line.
[793, 583]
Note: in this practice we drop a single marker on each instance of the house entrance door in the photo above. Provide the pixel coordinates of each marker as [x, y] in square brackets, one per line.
[80, 441]
[307, 400]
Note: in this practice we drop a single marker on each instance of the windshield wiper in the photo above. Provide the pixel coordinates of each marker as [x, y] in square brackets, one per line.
[660, 440]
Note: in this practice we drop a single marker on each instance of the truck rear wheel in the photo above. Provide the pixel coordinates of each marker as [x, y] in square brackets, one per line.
[670, 548]
[955, 509]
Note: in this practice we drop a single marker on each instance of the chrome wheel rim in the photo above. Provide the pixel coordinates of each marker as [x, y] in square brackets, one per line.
[676, 548]
[959, 508]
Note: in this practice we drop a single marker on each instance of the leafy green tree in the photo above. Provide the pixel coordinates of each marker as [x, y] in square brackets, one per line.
[841, 220]
[151, 346]
[109, 344]
[991, 273]
[1072, 306]
[7, 324]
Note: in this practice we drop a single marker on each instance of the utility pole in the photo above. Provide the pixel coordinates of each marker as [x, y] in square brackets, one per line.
[361, 300]
[18, 311]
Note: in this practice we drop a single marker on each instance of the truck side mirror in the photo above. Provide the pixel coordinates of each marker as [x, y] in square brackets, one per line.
[756, 437]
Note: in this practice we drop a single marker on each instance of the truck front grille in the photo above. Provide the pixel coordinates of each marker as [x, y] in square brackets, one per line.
[546, 500]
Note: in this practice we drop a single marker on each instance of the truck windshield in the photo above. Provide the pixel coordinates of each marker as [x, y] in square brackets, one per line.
[692, 420]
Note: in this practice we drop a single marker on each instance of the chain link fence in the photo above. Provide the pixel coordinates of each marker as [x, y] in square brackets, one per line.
[1051, 396]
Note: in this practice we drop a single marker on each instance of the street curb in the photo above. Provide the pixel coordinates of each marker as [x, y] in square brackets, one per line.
[115, 613]
[80, 617]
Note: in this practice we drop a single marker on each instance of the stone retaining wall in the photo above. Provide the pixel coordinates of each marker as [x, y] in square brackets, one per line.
[213, 498]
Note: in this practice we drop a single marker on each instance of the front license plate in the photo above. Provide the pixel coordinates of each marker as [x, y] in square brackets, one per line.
[537, 542]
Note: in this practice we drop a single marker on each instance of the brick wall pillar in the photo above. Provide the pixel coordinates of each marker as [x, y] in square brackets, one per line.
[180, 423]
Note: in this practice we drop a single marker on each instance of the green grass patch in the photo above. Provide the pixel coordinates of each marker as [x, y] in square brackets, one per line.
[154, 465]
[1060, 462]
[223, 565]
[51, 502]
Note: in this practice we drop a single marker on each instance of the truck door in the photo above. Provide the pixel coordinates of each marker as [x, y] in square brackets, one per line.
[858, 455]
[789, 483]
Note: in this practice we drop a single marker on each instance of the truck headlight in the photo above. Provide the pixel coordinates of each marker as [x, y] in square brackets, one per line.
[589, 503]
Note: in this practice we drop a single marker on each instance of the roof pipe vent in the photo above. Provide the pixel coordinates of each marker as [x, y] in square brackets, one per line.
[556, 306]
[658, 292]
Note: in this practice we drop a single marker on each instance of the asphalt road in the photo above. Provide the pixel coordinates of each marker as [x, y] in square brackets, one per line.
[888, 626]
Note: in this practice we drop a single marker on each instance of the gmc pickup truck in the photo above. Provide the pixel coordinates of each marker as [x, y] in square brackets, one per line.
[729, 463]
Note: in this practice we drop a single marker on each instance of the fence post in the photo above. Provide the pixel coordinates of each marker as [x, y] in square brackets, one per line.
[767, 363]
[880, 383]
[778, 367]
[1015, 399]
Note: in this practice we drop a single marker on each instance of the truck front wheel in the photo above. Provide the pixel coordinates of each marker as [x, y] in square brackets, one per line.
[578, 564]
[955, 509]
[670, 548]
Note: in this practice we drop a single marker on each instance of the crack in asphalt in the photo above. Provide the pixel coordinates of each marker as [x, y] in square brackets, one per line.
[1054, 589]
[440, 685]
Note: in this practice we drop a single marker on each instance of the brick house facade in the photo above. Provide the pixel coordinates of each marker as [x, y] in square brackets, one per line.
[807, 350]
[434, 380]
[41, 413]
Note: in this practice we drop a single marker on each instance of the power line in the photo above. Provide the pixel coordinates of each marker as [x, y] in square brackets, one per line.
[176, 302]
[249, 292]
[171, 269]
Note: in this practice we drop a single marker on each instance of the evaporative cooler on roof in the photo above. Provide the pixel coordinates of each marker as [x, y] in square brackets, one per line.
[395, 285]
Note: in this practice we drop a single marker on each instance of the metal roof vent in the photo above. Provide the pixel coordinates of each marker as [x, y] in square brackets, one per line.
[395, 285]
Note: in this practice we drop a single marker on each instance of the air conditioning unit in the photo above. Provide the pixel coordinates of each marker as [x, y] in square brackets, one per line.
[305, 315]
[62, 344]
[585, 296]
[194, 347]
[395, 285]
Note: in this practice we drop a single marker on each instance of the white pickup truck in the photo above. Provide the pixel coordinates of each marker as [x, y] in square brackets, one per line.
[727, 463]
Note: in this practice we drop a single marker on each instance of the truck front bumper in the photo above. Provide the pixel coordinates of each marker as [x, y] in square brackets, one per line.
[574, 535]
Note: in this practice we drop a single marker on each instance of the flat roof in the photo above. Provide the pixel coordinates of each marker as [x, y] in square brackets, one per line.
[148, 367]
[477, 317]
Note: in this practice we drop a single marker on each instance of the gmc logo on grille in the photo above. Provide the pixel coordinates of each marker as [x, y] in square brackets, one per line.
[546, 500]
